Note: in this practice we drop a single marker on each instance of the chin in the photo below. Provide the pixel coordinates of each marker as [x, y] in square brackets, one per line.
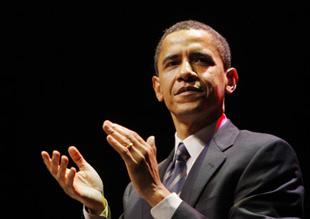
[195, 109]
[189, 109]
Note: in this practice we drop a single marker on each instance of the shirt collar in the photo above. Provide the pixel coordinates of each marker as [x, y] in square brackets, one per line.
[197, 141]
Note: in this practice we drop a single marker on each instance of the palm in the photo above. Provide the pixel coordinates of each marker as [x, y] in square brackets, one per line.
[87, 183]
[84, 185]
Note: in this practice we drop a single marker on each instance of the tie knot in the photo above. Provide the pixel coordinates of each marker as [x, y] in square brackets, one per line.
[182, 153]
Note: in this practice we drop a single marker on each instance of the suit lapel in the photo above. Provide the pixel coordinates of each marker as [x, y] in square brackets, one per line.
[201, 172]
[210, 159]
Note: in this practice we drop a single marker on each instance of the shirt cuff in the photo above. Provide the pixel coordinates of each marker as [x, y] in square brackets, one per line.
[104, 214]
[166, 207]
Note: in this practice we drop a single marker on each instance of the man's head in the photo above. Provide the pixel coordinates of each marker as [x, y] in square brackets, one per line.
[219, 40]
[193, 72]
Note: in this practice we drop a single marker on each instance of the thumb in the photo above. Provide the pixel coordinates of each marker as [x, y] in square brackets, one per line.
[77, 157]
[151, 141]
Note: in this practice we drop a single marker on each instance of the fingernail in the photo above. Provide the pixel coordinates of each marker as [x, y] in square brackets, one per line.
[110, 129]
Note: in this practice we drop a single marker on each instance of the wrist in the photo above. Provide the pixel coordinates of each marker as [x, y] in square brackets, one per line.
[99, 208]
[157, 195]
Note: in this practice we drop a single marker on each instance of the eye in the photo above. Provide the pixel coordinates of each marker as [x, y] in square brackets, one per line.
[202, 59]
[171, 63]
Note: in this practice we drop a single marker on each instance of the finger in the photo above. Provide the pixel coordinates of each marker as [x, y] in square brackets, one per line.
[69, 180]
[46, 159]
[151, 141]
[125, 136]
[122, 137]
[62, 169]
[70, 177]
[108, 127]
[55, 163]
[117, 133]
[77, 157]
[119, 138]
[137, 154]
[123, 151]
[128, 133]
[131, 156]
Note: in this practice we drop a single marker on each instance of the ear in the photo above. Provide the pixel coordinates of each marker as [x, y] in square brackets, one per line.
[156, 87]
[231, 80]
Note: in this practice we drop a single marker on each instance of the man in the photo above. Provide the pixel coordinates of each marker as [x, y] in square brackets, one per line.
[215, 170]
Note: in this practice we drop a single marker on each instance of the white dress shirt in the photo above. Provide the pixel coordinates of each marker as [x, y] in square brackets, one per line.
[194, 144]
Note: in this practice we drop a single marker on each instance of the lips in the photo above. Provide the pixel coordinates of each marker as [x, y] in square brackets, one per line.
[189, 89]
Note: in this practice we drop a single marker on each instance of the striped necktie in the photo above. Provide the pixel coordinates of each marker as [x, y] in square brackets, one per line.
[176, 175]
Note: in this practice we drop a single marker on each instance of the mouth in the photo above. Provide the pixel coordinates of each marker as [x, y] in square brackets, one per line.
[196, 88]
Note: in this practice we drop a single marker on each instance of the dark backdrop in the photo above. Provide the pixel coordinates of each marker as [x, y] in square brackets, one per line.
[75, 65]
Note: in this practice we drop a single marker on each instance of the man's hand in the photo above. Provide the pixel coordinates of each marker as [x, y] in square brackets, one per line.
[140, 159]
[84, 185]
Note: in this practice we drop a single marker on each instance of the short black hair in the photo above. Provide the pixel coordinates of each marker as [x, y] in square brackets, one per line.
[220, 41]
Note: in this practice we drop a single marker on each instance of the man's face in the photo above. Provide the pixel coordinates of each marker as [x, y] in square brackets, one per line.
[191, 78]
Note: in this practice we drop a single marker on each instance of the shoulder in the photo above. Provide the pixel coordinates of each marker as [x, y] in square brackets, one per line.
[265, 148]
[245, 139]
[246, 143]
[259, 138]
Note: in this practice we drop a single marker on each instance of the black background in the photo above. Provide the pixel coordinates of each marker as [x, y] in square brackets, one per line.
[75, 65]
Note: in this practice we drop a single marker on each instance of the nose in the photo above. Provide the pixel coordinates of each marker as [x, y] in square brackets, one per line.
[186, 72]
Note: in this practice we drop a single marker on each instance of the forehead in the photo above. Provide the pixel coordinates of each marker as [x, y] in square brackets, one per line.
[188, 40]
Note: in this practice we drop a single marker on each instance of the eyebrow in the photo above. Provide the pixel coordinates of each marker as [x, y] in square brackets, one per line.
[192, 55]
[170, 57]
[202, 55]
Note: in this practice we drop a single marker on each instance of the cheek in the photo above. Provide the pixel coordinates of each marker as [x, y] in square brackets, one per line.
[166, 83]
[215, 84]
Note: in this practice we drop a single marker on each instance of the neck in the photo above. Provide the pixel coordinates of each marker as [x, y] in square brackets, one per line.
[187, 127]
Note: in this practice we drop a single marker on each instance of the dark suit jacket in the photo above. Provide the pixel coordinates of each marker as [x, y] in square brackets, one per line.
[241, 174]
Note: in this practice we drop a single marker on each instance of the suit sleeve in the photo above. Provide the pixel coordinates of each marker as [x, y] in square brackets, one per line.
[270, 187]
[125, 200]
